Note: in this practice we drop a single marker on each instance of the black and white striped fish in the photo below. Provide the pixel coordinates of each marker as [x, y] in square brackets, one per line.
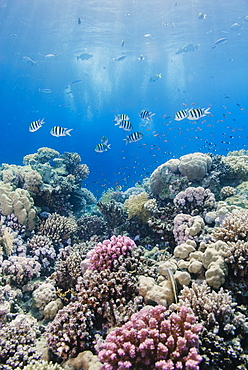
[197, 113]
[120, 117]
[35, 125]
[135, 136]
[126, 125]
[145, 115]
[60, 131]
[181, 114]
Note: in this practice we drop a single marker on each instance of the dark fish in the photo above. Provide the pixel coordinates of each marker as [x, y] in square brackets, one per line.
[187, 49]
[35, 125]
[145, 115]
[197, 113]
[181, 114]
[141, 57]
[84, 56]
[75, 82]
[122, 43]
[60, 131]
[122, 57]
[223, 40]
[126, 125]
[135, 136]
[202, 16]
[79, 21]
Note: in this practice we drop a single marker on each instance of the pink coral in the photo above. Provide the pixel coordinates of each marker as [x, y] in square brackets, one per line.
[106, 255]
[153, 339]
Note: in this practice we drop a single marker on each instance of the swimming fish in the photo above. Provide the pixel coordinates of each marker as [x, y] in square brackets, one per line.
[126, 125]
[187, 49]
[122, 43]
[122, 57]
[75, 82]
[103, 146]
[30, 60]
[50, 55]
[135, 136]
[173, 282]
[84, 56]
[141, 57]
[120, 117]
[181, 114]
[60, 131]
[223, 40]
[79, 21]
[155, 78]
[35, 125]
[202, 16]
[145, 115]
[45, 91]
[197, 113]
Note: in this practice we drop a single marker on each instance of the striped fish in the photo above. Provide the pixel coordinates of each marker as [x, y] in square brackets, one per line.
[135, 136]
[60, 131]
[120, 117]
[145, 115]
[35, 125]
[197, 113]
[181, 114]
[126, 125]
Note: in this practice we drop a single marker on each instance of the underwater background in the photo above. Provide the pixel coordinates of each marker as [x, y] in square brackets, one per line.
[123, 185]
[42, 77]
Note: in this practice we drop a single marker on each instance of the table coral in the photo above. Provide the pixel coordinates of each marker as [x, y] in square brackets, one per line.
[152, 339]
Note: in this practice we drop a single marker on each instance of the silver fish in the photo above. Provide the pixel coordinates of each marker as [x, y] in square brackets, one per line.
[84, 56]
[223, 40]
[197, 113]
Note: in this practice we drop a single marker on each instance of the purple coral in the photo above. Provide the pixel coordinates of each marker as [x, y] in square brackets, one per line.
[153, 339]
[105, 255]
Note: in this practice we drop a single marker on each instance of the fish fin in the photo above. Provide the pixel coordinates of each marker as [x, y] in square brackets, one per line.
[108, 146]
[206, 111]
[67, 131]
[126, 140]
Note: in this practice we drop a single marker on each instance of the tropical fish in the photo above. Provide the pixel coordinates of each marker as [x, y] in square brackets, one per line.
[135, 136]
[122, 57]
[187, 49]
[145, 115]
[173, 282]
[197, 113]
[141, 57]
[60, 131]
[223, 40]
[30, 60]
[35, 125]
[202, 16]
[104, 139]
[155, 78]
[84, 56]
[101, 147]
[121, 117]
[181, 114]
[45, 91]
[126, 125]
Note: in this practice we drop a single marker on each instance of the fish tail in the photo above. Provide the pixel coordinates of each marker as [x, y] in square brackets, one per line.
[108, 146]
[206, 111]
[67, 132]
[126, 140]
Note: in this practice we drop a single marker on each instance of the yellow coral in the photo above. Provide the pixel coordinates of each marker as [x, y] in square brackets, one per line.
[135, 206]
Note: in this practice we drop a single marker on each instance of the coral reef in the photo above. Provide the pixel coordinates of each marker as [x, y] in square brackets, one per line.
[20, 270]
[195, 201]
[152, 339]
[113, 214]
[41, 365]
[90, 225]
[135, 206]
[58, 228]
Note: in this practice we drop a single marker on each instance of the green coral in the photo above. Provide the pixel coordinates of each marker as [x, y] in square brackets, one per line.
[135, 206]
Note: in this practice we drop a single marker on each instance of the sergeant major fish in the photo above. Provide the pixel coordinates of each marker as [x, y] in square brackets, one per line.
[135, 136]
[145, 115]
[103, 146]
[126, 125]
[35, 125]
[181, 114]
[197, 113]
[60, 131]
[120, 117]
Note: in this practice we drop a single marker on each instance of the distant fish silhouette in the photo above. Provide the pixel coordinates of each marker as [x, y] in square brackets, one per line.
[84, 56]
[223, 40]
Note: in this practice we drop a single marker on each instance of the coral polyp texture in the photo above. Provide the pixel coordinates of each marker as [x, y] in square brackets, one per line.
[154, 339]
[105, 255]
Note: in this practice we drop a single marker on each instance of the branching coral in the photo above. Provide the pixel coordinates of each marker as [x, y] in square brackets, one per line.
[90, 225]
[73, 166]
[20, 270]
[234, 227]
[58, 228]
[41, 249]
[41, 365]
[154, 340]
[112, 213]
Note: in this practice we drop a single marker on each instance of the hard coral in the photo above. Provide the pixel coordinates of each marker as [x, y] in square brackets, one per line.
[135, 206]
[155, 340]
[58, 228]
[234, 227]
[195, 201]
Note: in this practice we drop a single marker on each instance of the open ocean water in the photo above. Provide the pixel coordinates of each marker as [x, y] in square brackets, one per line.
[43, 76]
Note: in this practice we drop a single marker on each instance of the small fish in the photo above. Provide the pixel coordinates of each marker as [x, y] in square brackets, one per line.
[121, 117]
[84, 56]
[197, 113]
[35, 125]
[126, 125]
[155, 78]
[60, 131]
[181, 114]
[187, 49]
[45, 91]
[202, 16]
[173, 282]
[145, 115]
[122, 57]
[49, 55]
[75, 82]
[122, 43]
[135, 136]
[79, 21]
[141, 57]
[30, 60]
[102, 147]
[223, 40]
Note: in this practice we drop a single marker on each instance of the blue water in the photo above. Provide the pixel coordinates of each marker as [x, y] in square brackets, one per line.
[207, 77]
